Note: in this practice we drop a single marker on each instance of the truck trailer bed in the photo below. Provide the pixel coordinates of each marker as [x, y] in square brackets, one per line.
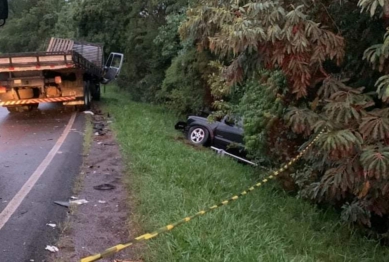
[36, 61]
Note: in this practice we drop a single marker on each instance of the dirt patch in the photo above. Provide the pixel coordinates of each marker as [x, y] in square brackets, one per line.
[188, 143]
[104, 221]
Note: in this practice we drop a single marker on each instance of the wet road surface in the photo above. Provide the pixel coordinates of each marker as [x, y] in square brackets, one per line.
[26, 139]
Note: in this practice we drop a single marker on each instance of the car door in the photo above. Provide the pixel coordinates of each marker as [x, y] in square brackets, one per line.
[227, 133]
[112, 67]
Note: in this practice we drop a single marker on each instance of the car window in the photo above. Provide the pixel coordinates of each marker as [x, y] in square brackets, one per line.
[239, 122]
[234, 121]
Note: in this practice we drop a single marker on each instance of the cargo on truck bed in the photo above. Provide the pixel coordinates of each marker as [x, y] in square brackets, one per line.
[69, 72]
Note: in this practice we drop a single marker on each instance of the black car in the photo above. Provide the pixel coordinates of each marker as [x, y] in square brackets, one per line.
[225, 134]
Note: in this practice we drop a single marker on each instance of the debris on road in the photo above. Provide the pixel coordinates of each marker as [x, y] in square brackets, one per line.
[99, 127]
[89, 112]
[62, 203]
[52, 249]
[104, 187]
[68, 203]
[78, 202]
[106, 216]
[51, 225]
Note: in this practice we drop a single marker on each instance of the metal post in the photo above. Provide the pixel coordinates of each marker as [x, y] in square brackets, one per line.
[223, 152]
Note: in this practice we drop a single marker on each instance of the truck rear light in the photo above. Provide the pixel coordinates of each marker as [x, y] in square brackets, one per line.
[3, 89]
[58, 80]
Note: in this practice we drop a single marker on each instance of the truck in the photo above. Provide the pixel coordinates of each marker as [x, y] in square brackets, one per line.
[68, 72]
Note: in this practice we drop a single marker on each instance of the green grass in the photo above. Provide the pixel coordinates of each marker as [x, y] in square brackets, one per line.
[171, 180]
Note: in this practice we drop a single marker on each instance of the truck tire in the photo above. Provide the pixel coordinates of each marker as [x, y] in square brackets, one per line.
[96, 92]
[87, 97]
[33, 107]
[12, 109]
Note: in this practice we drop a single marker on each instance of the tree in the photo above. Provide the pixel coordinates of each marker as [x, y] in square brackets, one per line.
[306, 43]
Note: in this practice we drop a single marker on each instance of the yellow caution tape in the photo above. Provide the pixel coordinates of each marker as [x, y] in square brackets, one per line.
[119, 247]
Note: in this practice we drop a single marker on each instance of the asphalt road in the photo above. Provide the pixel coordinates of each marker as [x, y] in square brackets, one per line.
[36, 170]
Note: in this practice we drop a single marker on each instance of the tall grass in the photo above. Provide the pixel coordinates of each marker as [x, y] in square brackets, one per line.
[171, 180]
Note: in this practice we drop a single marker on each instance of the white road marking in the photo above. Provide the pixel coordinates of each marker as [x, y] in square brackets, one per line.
[23, 192]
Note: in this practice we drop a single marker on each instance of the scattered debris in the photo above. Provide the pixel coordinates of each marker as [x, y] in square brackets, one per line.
[62, 203]
[89, 112]
[99, 128]
[68, 203]
[51, 225]
[102, 202]
[99, 143]
[79, 202]
[73, 197]
[104, 187]
[52, 249]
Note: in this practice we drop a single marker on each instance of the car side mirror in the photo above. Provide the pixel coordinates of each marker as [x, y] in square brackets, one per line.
[228, 122]
[3, 11]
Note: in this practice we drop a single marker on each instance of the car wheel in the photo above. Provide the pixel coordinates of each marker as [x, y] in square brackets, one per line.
[198, 135]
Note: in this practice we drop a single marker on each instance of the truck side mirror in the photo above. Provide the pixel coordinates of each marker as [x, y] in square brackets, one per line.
[3, 11]
[112, 67]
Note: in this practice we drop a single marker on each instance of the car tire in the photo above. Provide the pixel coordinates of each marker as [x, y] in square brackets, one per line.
[198, 135]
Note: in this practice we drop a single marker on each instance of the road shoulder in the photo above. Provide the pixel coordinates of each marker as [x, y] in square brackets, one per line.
[106, 219]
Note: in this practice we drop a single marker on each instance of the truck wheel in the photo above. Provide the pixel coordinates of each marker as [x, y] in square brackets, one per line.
[12, 109]
[96, 92]
[87, 97]
[32, 107]
[198, 135]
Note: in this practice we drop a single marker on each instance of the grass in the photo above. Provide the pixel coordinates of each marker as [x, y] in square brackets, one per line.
[171, 180]
[88, 139]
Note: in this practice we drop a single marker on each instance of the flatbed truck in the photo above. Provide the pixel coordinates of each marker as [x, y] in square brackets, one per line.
[68, 72]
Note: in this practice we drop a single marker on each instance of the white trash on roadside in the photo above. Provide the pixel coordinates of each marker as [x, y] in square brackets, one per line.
[52, 249]
[102, 202]
[89, 112]
[51, 225]
[78, 202]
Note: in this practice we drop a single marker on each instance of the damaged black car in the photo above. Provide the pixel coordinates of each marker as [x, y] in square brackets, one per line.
[226, 134]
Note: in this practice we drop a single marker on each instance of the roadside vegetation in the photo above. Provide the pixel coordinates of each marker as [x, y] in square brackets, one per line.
[170, 180]
[290, 68]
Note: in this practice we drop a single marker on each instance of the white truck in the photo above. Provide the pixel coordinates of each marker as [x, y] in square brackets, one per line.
[69, 72]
